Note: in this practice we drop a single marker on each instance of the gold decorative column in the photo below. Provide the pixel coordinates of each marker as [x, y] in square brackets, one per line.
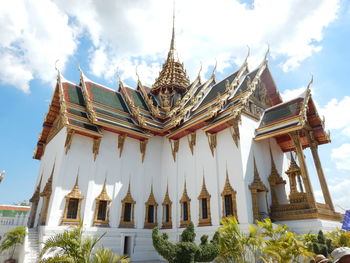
[295, 136]
[317, 162]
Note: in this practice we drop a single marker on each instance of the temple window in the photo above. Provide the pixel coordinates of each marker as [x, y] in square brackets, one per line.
[228, 205]
[102, 211]
[259, 198]
[46, 195]
[167, 222]
[276, 185]
[204, 206]
[185, 201]
[151, 211]
[34, 207]
[127, 214]
[71, 213]
[103, 201]
[228, 195]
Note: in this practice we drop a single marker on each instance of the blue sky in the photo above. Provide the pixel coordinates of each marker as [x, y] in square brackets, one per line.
[302, 42]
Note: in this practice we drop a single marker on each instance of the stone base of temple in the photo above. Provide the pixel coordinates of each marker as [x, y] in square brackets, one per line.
[300, 211]
[313, 225]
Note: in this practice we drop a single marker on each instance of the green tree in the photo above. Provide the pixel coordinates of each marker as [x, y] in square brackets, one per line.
[71, 247]
[318, 244]
[264, 242]
[281, 245]
[185, 251]
[237, 246]
[12, 239]
[339, 237]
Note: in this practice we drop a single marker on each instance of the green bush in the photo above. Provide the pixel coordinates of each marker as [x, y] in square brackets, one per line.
[185, 251]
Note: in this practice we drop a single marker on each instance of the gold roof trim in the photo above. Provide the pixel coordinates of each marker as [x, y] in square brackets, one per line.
[257, 184]
[36, 195]
[185, 197]
[293, 167]
[75, 193]
[227, 187]
[167, 200]
[128, 197]
[275, 177]
[151, 200]
[103, 195]
[48, 187]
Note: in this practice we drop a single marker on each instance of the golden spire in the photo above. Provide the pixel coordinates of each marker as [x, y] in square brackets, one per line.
[293, 167]
[103, 195]
[173, 75]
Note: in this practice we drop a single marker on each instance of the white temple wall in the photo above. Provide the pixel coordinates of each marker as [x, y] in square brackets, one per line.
[160, 169]
[229, 155]
[53, 154]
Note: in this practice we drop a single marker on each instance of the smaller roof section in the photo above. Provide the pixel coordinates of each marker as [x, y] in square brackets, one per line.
[297, 114]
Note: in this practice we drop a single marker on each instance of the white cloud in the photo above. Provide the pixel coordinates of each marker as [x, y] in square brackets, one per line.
[336, 114]
[340, 194]
[341, 156]
[129, 33]
[289, 94]
[34, 34]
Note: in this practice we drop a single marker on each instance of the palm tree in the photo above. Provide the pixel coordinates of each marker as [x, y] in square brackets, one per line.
[12, 239]
[71, 247]
[105, 255]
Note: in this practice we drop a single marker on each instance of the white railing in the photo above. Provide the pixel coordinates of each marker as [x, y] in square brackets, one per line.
[18, 220]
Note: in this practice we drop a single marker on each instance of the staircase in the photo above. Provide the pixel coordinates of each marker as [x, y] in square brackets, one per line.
[33, 246]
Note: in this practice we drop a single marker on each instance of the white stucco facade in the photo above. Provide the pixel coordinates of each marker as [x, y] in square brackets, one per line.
[158, 169]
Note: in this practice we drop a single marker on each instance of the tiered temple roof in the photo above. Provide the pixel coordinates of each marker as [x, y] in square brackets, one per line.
[174, 107]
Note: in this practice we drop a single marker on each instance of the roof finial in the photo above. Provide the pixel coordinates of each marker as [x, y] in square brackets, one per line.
[79, 68]
[311, 81]
[56, 66]
[267, 52]
[137, 74]
[172, 44]
[214, 69]
[246, 58]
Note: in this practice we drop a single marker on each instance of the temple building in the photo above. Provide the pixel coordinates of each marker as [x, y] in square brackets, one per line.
[125, 160]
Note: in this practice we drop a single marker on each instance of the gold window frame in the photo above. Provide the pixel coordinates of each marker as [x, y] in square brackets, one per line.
[185, 199]
[167, 201]
[103, 196]
[204, 194]
[128, 199]
[151, 201]
[74, 194]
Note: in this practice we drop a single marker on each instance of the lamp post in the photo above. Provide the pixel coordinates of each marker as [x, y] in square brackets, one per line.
[2, 175]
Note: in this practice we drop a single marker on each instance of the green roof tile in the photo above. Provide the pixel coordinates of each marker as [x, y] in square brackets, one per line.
[138, 99]
[280, 112]
[114, 115]
[217, 89]
[108, 98]
[78, 112]
[75, 95]
[83, 125]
